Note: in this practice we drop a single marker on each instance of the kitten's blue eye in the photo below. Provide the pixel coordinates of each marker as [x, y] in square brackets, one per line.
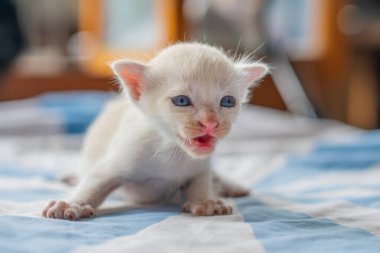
[227, 101]
[181, 100]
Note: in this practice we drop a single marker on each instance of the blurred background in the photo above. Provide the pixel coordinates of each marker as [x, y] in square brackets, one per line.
[324, 54]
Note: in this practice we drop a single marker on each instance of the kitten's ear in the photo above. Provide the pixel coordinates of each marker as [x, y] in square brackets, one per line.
[253, 72]
[130, 74]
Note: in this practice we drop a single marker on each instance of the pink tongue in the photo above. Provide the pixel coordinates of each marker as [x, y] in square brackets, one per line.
[203, 139]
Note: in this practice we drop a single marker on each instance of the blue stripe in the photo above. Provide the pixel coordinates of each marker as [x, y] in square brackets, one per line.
[30, 195]
[40, 235]
[339, 186]
[78, 109]
[360, 153]
[284, 175]
[284, 231]
[372, 202]
[20, 171]
[369, 201]
[336, 160]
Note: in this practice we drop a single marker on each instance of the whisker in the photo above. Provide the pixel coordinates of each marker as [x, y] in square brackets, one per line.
[237, 48]
[262, 44]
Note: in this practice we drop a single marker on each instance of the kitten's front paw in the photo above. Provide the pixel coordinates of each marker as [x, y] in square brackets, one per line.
[67, 211]
[207, 208]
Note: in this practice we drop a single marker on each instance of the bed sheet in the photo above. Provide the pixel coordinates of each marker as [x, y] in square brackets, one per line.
[315, 187]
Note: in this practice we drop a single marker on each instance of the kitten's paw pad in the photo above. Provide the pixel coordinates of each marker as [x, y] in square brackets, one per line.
[207, 208]
[67, 211]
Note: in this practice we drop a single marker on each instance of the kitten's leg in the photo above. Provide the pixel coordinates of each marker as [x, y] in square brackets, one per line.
[200, 198]
[225, 188]
[89, 194]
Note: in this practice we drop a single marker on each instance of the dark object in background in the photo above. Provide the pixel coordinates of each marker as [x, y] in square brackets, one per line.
[11, 39]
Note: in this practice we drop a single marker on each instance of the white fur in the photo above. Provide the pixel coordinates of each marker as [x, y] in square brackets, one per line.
[134, 143]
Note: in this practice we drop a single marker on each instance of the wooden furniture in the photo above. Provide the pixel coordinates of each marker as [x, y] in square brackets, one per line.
[16, 86]
[97, 19]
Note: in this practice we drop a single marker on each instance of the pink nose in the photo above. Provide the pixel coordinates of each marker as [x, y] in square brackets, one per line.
[209, 125]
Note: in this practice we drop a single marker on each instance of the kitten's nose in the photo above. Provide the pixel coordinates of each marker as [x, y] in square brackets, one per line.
[209, 125]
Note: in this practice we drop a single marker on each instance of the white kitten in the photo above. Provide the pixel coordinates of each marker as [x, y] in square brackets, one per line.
[156, 139]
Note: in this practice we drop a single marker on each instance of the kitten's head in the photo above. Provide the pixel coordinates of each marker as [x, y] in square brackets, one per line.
[191, 92]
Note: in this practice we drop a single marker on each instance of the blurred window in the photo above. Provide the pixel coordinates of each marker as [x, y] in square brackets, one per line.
[130, 24]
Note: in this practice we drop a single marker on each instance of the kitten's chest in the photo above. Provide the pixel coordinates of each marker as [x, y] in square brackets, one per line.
[171, 165]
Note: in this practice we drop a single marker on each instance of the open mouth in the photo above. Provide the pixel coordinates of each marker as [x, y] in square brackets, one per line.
[203, 144]
[204, 141]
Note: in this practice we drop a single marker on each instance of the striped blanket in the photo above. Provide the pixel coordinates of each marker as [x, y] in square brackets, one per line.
[315, 187]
